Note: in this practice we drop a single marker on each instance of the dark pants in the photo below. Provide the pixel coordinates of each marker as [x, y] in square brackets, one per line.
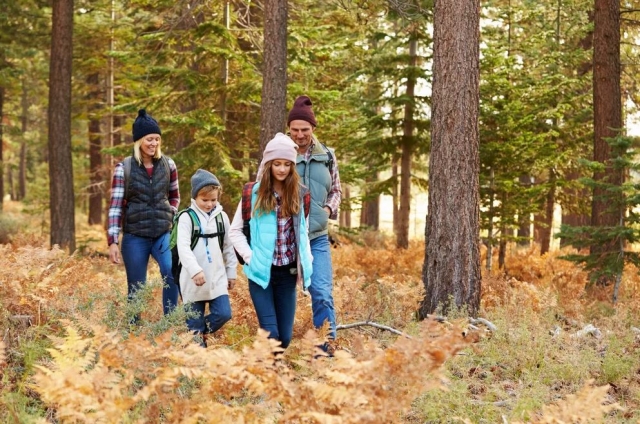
[219, 314]
[135, 255]
[276, 305]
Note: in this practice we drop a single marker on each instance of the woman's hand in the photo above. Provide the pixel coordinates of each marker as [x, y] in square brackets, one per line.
[199, 278]
[114, 253]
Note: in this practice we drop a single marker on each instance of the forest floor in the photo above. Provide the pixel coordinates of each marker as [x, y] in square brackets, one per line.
[558, 352]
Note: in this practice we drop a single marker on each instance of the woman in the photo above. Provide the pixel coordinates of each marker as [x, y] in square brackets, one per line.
[144, 199]
[279, 256]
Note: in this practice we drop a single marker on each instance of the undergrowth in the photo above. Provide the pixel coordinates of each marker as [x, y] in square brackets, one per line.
[69, 352]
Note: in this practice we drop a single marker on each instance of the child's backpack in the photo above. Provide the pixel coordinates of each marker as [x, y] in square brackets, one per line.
[246, 212]
[196, 233]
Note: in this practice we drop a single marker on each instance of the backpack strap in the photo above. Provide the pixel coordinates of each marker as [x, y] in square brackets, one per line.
[329, 162]
[306, 202]
[220, 225]
[246, 200]
[196, 229]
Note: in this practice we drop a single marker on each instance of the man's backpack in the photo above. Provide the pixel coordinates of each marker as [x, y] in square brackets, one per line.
[196, 233]
[246, 213]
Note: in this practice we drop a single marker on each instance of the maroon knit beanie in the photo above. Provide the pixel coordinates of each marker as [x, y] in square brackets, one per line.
[302, 110]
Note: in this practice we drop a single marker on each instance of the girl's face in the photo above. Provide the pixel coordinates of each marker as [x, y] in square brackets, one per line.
[280, 169]
[207, 202]
[149, 145]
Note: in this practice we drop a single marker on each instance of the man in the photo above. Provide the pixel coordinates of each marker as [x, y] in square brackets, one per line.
[318, 169]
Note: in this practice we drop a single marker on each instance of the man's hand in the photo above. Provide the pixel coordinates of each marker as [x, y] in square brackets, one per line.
[327, 209]
[199, 278]
[232, 284]
[114, 253]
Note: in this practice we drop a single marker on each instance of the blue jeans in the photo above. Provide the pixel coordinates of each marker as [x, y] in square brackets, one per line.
[219, 314]
[135, 255]
[321, 288]
[276, 305]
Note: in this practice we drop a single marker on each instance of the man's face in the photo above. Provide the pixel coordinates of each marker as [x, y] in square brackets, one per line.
[301, 132]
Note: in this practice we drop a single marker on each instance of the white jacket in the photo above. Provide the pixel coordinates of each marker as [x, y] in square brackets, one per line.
[223, 263]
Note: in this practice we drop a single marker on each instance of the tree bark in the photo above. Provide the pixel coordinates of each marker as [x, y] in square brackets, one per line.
[2, 167]
[402, 235]
[22, 165]
[550, 201]
[370, 214]
[96, 181]
[451, 271]
[60, 163]
[607, 107]
[274, 71]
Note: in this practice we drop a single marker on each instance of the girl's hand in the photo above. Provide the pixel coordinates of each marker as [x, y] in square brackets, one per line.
[232, 284]
[199, 279]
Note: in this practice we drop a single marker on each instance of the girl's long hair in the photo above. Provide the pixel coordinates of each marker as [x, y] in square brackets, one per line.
[266, 201]
[138, 156]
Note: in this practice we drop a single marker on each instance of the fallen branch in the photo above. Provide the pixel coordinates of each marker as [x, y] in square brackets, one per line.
[589, 329]
[372, 324]
[491, 326]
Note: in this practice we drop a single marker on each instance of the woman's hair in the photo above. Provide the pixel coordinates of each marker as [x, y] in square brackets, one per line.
[138, 155]
[266, 202]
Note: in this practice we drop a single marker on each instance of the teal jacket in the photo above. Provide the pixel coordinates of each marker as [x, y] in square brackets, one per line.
[264, 228]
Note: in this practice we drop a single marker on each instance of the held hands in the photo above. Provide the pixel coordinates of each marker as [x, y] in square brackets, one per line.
[114, 253]
[199, 278]
[232, 284]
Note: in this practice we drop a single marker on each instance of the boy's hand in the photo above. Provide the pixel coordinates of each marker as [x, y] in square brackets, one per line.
[232, 284]
[199, 278]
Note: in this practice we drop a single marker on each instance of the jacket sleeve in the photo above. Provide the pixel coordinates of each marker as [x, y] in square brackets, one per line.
[187, 256]
[237, 237]
[230, 260]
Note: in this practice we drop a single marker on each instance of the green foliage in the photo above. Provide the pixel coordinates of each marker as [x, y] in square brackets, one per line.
[623, 199]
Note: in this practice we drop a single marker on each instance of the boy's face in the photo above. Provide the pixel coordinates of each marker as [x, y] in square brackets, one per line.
[207, 201]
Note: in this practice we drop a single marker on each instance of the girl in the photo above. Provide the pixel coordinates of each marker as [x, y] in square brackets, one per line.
[145, 191]
[279, 256]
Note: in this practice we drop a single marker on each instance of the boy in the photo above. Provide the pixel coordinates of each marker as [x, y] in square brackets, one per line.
[207, 271]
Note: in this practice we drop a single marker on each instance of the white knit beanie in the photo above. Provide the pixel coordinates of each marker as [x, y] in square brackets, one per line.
[280, 147]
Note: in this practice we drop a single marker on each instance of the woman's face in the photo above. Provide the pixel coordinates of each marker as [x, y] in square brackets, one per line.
[149, 145]
[280, 169]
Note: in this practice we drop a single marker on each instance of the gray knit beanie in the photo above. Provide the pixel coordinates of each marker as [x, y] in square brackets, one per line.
[202, 179]
[144, 125]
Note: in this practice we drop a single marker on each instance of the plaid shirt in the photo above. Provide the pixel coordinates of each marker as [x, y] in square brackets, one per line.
[286, 247]
[335, 194]
[116, 205]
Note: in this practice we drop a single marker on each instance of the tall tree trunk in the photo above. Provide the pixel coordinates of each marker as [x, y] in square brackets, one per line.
[395, 197]
[402, 236]
[60, 162]
[550, 201]
[524, 218]
[370, 214]
[96, 182]
[451, 271]
[607, 107]
[274, 71]
[22, 165]
[2, 167]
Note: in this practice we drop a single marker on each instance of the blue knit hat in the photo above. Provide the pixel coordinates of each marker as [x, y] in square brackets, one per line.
[144, 125]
